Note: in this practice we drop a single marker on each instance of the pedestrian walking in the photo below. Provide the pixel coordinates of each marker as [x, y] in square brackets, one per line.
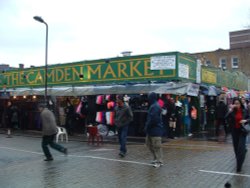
[244, 101]
[178, 115]
[123, 117]
[154, 130]
[70, 115]
[8, 118]
[49, 130]
[171, 119]
[220, 113]
[236, 116]
[187, 116]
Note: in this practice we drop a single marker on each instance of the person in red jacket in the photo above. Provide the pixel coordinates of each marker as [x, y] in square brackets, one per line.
[236, 116]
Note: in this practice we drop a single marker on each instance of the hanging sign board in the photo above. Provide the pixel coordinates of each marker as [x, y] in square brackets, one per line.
[183, 71]
[163, 62]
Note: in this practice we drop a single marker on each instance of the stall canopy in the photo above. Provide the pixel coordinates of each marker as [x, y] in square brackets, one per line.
[160, 88]
[209, 90]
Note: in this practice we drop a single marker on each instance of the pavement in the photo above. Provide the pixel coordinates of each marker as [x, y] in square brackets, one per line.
[188, 162]
[201, 136]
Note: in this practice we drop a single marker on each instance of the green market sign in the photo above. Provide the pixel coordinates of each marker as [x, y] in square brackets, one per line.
[218, 77]
[105, 71]
[121, 70]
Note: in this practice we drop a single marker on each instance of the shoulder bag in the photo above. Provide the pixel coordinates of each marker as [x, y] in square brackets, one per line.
[245, 128]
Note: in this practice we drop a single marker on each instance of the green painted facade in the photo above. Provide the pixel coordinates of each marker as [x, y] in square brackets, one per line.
[167, 67]
[217, 77]
[103, 71]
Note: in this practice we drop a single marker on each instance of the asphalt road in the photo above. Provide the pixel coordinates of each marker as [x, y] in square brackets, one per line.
[187, 163]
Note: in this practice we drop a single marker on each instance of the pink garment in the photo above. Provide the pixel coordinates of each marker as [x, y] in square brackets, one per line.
[78, 109]
[99, 99]
[161, 103]
[110, 105]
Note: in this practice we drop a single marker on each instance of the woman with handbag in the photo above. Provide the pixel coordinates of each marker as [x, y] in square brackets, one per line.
[236, 116]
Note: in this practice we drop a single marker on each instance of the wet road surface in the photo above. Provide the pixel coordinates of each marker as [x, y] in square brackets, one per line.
[187, 163]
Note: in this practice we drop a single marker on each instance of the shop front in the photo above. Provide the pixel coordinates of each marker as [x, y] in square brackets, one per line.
[218, 84]
[136, 76]
[173, 74]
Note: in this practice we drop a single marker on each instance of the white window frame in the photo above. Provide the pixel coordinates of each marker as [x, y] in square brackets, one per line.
[220, 63]
[232, 62]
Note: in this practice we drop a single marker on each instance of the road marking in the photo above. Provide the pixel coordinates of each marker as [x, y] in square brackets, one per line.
[102, 149]
[81, 156]
[225, 173]
[195, 145]
[108, 159]
[26, 151]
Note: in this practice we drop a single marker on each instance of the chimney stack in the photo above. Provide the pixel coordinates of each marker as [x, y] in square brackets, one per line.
[21, 66]
[126, 53]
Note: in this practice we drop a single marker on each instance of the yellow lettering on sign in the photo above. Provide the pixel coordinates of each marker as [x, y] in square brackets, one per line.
[134, 68]
[8, 79]
[67, 74]
[161, 72]
[22, 77]
[51, 75]
[15, 79]
[209, 77]
[108, 71]
[75, 73]
[28, 78]
[94, 71]
[58, 76]
[39, 77]
[147, 69]
[122, 70]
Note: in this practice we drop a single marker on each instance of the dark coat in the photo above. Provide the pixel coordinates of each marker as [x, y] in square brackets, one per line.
[8, 116]
[154, 125]
[69, 111]
[221, 110]
[49, 126]
[230, 117]
[123, 116]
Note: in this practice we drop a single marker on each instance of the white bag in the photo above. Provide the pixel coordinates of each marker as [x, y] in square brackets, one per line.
[164, 111]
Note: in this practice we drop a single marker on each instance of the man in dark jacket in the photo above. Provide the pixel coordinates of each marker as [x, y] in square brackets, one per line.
[49, 130]
[221, 111]
[123, 117]
[70, 115]
[8, 118]
[154, 130]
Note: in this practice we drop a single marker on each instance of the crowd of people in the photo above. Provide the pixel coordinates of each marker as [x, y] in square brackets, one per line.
[164, 118]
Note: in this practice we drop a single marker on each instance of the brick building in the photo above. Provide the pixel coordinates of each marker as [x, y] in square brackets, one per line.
[235, 58]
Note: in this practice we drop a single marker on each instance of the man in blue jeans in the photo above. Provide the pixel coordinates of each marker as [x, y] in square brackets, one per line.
[123, 117]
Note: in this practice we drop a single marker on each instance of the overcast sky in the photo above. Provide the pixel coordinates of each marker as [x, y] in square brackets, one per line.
[95, 29]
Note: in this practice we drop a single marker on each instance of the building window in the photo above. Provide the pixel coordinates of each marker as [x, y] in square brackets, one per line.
[235, 62]
[208, 63]
[223, 63]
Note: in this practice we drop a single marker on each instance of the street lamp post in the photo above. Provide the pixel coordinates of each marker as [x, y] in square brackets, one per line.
[39, 19]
